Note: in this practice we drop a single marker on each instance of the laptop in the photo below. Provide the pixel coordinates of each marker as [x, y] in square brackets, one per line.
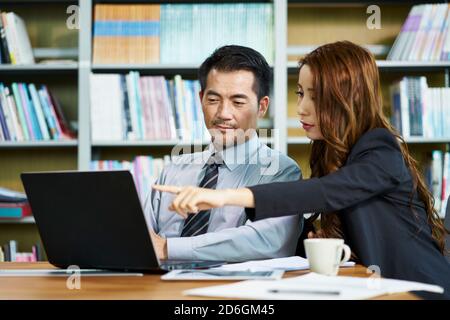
[95, 220]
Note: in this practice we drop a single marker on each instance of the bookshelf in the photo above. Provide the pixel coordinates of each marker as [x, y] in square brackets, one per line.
[37, 144]
[299, 26]
[312, 23]
[39, 69]
[51, 39]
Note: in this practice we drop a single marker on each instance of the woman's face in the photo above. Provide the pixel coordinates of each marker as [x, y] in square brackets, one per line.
[306, 108]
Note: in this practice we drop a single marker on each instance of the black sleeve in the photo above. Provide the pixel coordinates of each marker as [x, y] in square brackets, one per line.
[376, 166]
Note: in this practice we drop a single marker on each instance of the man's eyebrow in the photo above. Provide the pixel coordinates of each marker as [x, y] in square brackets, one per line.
[239, 96]
[212, 92]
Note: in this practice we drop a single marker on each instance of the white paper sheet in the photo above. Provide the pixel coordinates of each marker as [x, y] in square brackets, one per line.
[314, 287]
[286, 264]
[213, 274]
[65, 273]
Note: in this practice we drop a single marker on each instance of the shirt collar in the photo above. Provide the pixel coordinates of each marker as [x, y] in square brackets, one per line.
[236, 155]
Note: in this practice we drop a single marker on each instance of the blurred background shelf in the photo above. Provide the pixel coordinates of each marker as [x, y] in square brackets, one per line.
[37, 144]
[396, 66]
[38, 68]
[26, 220]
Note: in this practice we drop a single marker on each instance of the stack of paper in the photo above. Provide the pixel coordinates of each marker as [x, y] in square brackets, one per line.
[286, 264]
[313, 286]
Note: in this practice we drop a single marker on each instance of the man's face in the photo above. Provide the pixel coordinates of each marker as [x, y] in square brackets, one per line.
[231, 107]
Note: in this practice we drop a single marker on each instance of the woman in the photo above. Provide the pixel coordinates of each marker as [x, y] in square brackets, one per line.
[364, 182]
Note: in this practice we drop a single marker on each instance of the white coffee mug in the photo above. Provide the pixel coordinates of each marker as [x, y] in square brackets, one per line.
[325, 255]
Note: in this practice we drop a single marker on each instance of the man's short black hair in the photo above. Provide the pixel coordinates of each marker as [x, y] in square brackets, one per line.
[235, 58]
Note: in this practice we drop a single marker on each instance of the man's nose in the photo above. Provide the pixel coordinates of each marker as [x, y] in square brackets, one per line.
[225, 111]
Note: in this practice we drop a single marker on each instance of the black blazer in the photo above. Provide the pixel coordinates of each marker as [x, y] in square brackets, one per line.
[372, 193]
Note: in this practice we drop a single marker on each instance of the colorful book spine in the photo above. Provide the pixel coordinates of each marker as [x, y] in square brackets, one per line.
[3, 124]
[51, 121]
[29, 113]
[424, 36]
[14, 210]
[126, 33]
[26, 127]
[39, 112]
[46, 99]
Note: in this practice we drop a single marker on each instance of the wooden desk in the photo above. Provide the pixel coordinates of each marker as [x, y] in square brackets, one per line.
[146, 287]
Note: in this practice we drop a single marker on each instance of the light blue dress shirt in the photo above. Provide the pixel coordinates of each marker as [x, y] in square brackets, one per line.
[231, 236]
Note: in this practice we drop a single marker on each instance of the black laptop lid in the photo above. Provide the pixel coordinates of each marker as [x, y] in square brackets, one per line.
[90, 219]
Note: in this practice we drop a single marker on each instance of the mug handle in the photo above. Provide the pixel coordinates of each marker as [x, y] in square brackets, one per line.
[347, 254]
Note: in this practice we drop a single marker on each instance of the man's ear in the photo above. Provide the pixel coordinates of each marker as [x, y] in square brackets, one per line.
[263, 106]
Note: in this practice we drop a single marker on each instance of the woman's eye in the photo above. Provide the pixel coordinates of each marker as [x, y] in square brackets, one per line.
[299, 93]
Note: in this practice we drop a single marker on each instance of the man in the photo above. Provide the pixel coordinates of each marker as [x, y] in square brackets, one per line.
[235, 84]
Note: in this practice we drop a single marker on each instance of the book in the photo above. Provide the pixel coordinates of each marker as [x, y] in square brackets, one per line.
[12, 250]
[3, 123]
[31, 109]
[126, 33]
[424, 36]
[5, 56]
[14, 210]
[445, 185]
[178, 33]
[39, 112]
[145, 108]
[418, 110]
[436, 177]
[9, 253]
[8, 195]
[190, 32]
[24, 51]
[14, 40]
[30, 113]
[6, 253]
[66, 131]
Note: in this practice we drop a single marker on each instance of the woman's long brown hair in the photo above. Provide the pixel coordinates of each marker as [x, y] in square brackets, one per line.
[349, 103]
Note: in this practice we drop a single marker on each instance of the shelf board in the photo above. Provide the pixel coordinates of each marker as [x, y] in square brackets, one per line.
[410, 140]
[153, 69]
[176, 1]
[37, 144]
[38, 68]
[26, 220]
[427, 140]
[388, 65]
[146, 143]
[9, 2]
[357, 2]
[160, 143]
[160, 69]
[300, 50]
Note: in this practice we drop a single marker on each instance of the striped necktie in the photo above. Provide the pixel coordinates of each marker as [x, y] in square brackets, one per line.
[196, 224]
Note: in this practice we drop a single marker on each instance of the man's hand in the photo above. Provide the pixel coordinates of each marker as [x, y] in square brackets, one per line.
[160, 245]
